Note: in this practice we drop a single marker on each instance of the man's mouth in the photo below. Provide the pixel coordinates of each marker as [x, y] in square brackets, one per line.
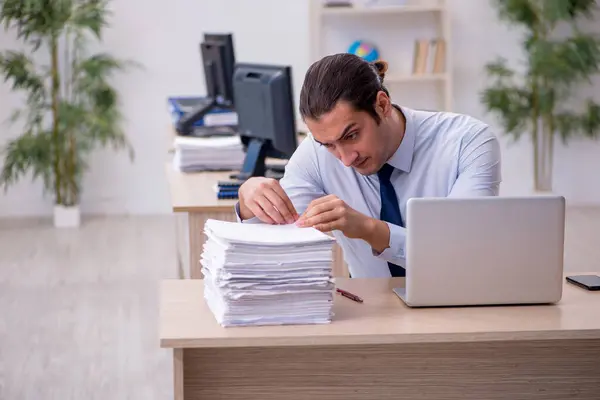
[361, 162]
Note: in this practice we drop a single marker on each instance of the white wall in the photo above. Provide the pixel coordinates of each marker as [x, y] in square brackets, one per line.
[166, 41]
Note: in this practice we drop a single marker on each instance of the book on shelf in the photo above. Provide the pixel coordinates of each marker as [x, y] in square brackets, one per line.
[429, 56]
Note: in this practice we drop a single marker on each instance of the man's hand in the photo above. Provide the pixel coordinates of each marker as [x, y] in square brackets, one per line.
[266, 199]
[329, 213]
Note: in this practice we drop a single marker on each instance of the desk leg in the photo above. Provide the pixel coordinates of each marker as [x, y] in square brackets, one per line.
[178, 374]
[182, 244]
[502, 370]
[197, 237]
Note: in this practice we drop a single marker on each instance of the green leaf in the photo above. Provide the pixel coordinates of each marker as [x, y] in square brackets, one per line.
[20, 70]
[499, 69]
[567, 61]
[518, 11]
[30, 152]
[36, 19]
[582, 8]
[556, 10]
[590, 120]
[98, 67]
[90, 15]
[512, 104]
[566, 122]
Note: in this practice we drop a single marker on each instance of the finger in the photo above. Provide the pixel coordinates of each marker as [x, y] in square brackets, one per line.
[322, 200]
[270, 209]
[328, 227]
[329, 199]
[318, 209]
[323, 218]
[279, 203]
[290, 206]
[260, 213]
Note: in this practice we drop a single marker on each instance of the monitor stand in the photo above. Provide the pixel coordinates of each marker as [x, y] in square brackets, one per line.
[254, 163]
[185, 126]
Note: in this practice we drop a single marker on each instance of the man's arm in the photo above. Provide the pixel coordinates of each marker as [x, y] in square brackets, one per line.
[479, 166]
[479, 174]
[302, 180]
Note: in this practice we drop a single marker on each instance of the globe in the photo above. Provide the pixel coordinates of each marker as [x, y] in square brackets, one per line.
[365, 50]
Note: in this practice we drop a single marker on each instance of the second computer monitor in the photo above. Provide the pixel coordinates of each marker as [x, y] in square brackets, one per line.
[218, 57]
[264, 100]
[218, 60]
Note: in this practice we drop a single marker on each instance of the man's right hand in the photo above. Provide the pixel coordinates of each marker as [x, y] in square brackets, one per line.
[265, 199]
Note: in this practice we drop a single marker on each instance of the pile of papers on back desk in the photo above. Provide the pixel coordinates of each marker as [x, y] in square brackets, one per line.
[208, 153]
[259, 274]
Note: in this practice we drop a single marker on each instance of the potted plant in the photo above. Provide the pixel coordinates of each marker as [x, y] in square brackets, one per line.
[71, 107]
[558, 56]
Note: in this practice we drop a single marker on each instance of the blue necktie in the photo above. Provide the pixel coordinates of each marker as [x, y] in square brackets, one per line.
[390, 209]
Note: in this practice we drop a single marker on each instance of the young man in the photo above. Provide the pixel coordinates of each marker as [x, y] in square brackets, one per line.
[365, 159]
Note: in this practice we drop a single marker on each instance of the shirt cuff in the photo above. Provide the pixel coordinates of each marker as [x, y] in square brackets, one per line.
[396, 251]
[253, 220]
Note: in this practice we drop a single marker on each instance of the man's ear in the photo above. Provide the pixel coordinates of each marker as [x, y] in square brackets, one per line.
[383, 105]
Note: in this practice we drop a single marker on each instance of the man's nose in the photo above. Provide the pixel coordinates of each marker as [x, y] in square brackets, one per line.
[348, 157]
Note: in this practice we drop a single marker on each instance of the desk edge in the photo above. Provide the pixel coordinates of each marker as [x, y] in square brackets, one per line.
[390, 339]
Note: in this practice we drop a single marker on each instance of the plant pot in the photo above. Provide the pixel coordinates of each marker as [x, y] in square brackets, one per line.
[66, 216]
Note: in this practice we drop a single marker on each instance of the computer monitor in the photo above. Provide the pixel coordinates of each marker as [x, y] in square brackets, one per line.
[264, 100]
[218, 59]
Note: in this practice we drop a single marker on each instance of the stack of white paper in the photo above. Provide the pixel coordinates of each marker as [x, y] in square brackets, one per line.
[259, 274]
[209, 153]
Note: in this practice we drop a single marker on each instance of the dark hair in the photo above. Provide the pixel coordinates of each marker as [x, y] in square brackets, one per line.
[344, 77]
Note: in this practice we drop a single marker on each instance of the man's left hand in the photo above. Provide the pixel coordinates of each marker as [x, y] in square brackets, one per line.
[329, 213]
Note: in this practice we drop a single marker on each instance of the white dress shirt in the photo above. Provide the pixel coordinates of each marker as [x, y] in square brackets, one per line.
[442, 154]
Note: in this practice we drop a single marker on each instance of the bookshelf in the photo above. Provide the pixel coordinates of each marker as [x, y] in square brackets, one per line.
[414, 38]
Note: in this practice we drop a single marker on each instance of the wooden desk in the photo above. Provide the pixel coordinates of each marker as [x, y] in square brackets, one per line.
[193, 197]
[194, 200]
[382, 349]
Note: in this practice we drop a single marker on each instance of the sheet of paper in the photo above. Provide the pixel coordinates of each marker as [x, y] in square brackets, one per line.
[265, 234]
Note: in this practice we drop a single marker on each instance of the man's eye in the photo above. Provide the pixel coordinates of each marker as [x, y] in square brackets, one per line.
[352, 136]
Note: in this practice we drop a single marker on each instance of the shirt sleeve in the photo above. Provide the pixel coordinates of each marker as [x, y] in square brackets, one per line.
[479, 166]
[395, 253]
[301, 181]
[479, 174]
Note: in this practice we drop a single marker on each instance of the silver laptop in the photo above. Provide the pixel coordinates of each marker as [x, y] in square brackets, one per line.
[484, 251]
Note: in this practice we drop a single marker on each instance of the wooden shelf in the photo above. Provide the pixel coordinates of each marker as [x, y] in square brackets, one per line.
[377, 10]
[426, 25]
[415, 78]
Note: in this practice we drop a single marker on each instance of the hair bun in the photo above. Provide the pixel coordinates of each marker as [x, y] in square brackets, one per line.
[381, 67]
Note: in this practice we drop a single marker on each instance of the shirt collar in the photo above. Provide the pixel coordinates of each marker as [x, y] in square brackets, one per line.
[402, 158]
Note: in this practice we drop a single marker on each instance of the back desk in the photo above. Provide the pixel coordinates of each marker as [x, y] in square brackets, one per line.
[381, 349]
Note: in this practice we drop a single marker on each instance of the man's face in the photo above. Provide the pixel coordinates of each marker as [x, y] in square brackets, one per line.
[354, 137]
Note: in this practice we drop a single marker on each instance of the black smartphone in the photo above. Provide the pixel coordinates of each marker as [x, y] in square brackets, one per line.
[589, 282]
